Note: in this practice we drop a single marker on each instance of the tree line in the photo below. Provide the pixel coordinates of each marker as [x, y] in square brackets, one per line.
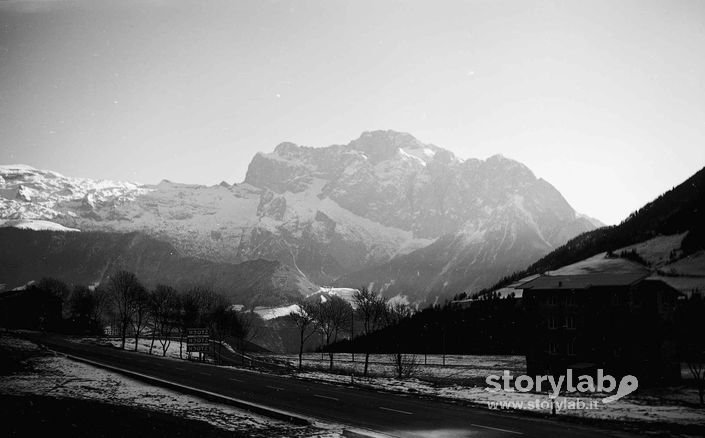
[130, 309]
[332, 316]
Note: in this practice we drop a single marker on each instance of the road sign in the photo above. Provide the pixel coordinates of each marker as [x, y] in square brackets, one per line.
[197, 348]
[197, 340]
[197, 332]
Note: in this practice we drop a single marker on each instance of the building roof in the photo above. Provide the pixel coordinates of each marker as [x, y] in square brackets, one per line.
[583, 281]
[507, 292]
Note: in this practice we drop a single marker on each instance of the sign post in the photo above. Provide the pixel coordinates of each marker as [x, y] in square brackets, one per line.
[198, 340]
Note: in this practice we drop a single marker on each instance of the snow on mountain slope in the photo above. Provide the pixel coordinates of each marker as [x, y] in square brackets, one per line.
[327, 212]
[223, 223]
[664, 257]
[601, 263]
[29, 193]
[267, 313]
[35, 225]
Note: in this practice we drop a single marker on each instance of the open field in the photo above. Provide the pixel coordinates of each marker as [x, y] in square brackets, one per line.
[463, 379]
[458, 369]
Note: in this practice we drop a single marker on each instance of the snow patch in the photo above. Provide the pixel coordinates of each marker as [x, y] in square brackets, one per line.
[267, 313]
[35, 224]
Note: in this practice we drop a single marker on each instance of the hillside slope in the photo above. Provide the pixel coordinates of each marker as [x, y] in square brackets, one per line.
[678, 212]
[89, 258]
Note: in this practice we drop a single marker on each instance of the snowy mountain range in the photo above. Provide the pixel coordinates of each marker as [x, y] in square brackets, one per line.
[386, 210]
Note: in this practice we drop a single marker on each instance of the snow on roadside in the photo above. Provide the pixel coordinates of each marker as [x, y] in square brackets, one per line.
[142, 346]
[57, 376]
[18, 344]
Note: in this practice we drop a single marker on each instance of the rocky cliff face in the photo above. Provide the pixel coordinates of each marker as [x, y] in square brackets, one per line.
[330, 213]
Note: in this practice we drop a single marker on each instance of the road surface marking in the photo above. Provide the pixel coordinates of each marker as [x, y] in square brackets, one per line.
[275, 388]
[204, 373]
[236, 380]
[394, 410]
[323, 396]
[496, 428]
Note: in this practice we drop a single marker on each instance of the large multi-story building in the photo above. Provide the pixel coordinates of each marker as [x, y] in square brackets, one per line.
[619, 322]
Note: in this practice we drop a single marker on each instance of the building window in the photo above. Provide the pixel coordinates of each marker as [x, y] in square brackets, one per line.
[552, 323]
[552, 348]
[570, 300]
[636, 299]
[570, 348]
[615, 299]
[570, 322]
[552, 300]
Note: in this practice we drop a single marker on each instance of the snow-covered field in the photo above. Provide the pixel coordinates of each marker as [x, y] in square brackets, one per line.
[462, 378]
[457, 368]
[56, 376]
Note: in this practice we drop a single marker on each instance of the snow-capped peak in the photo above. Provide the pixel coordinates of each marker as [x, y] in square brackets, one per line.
[30, 193]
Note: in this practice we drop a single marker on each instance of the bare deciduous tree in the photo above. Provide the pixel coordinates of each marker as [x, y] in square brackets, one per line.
[333, 316]
[86, 308]
[405, 365]
[140, 312]
[122, 288]
[221, 322]
[164, 310]
[304, 318]
[371, 308]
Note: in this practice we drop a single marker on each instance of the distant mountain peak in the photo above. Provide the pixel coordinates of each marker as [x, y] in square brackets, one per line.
[286, 148]
[381, 145]
[329, 212]
[388, 134]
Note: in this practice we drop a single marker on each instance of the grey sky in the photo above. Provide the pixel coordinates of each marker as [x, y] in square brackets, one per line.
[604, 99]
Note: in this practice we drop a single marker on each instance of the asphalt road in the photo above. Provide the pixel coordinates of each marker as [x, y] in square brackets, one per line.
[393, 414]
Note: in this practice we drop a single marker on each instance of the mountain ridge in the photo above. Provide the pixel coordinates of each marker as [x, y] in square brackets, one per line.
[326, 212]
